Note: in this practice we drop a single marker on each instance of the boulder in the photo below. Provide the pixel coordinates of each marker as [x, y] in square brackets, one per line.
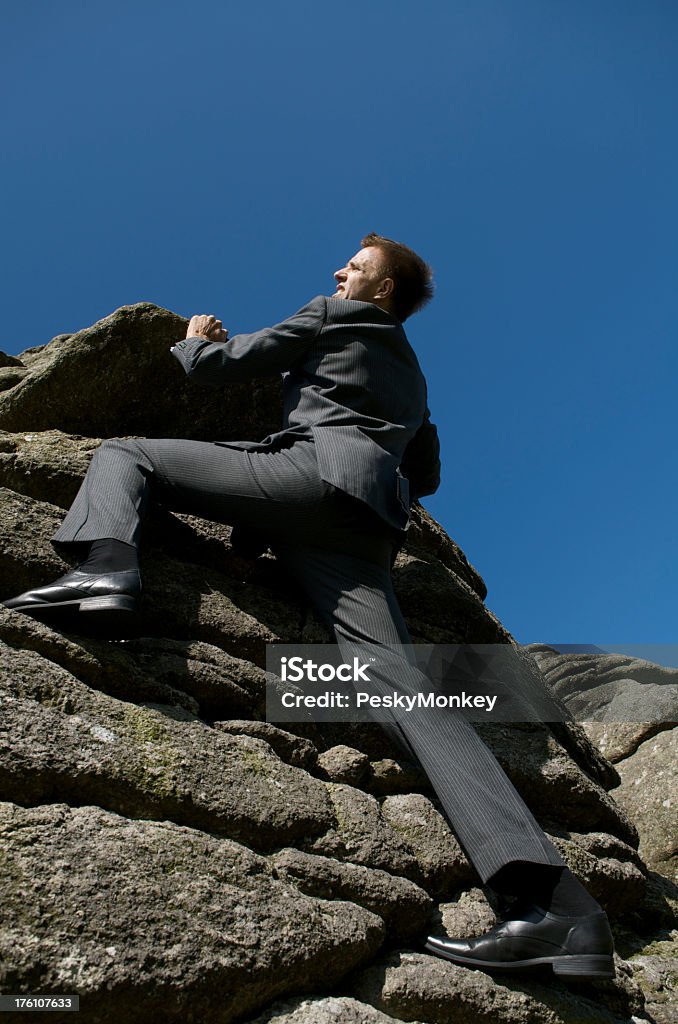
[331, 1010]
[656, 971]
[362, 835]
[441, 860]
[61, 741]
[117, 379]
[403, 906]
[556, 788]
[7, 360]
[622, 700]
[410, 985]
[151, 921]
[648, 794]
[292, 749]
[48, 465]
[344, 764]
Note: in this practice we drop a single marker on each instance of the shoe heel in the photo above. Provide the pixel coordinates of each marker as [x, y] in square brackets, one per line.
[110, 603]
[592, 966]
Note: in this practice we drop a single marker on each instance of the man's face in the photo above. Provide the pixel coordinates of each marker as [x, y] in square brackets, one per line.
[361, 277]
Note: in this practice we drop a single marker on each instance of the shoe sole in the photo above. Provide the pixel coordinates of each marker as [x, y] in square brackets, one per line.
[108, 602]
[111, 614]
[591, 965]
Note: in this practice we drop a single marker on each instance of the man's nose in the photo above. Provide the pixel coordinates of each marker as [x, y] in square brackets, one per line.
[338, 274]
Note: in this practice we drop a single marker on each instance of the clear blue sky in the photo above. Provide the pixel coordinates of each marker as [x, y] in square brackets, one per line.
[226, 158]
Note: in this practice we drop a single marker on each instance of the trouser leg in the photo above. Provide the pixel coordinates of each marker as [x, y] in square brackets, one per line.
[355, 597]
[281, 493]
[273, 491]
[112, 498]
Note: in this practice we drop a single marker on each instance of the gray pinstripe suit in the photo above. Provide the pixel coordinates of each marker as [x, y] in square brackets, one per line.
[330, 493]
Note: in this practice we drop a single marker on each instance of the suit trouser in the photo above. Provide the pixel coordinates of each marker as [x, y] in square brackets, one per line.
[340, 553]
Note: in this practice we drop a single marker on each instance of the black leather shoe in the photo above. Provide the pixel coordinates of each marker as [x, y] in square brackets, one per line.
[572, 946]
[112, 594]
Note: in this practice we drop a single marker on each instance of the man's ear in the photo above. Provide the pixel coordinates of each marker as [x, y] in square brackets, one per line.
[385, 288]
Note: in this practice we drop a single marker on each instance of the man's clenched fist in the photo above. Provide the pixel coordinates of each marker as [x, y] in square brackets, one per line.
[204, 326]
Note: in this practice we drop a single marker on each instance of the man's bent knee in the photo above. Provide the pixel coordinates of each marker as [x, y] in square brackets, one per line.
[118, 444]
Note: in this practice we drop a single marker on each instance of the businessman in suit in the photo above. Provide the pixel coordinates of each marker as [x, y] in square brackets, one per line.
[330, 493]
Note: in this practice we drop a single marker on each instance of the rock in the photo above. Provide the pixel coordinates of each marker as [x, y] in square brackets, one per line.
[11, 375]
[609, 869]
[344, 764]
[152, 921]
[618, 740]
[602, 844]
[362, 835]
[470, 914]
[439, 856]
[402, 905]
[555, 788]
[292, 749]
[195, 603]
[440, 607]
[36, 352]
[47, 465]
[198, 676]
[367, 737]
[412, 985]
[426, 536]
[27, 559]
[220, 683]
[389, 777]
[111, 668]
[7, 360]
[648, 794]
[612, 690]
[145, 762]
[331, 1010]
[96, 382]
[656, 971]
[582, 748]
[659, 910]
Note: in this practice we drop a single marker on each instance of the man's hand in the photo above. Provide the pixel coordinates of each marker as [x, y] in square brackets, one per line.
[209, 327]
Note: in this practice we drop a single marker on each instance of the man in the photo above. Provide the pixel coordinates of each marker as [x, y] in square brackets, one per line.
[330, 493]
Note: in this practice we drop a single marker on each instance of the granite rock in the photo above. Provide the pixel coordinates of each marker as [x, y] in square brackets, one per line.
[361, 834]
[96, 382]
[63, 742]
[648, 794]
[411, 985]
[403, 906]
[152, 921]
[344, 764]
[330, 1010]
[441, 860]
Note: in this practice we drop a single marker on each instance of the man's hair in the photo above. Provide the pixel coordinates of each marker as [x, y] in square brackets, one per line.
[412, 277]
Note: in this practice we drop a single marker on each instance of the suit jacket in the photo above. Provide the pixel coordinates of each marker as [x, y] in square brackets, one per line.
[351, 381]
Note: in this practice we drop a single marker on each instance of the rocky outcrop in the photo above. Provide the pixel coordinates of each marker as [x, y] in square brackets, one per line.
[116, 378]
[648, 792]
[152, 921]
[624, 700]
[633, 707]
[167, 853]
